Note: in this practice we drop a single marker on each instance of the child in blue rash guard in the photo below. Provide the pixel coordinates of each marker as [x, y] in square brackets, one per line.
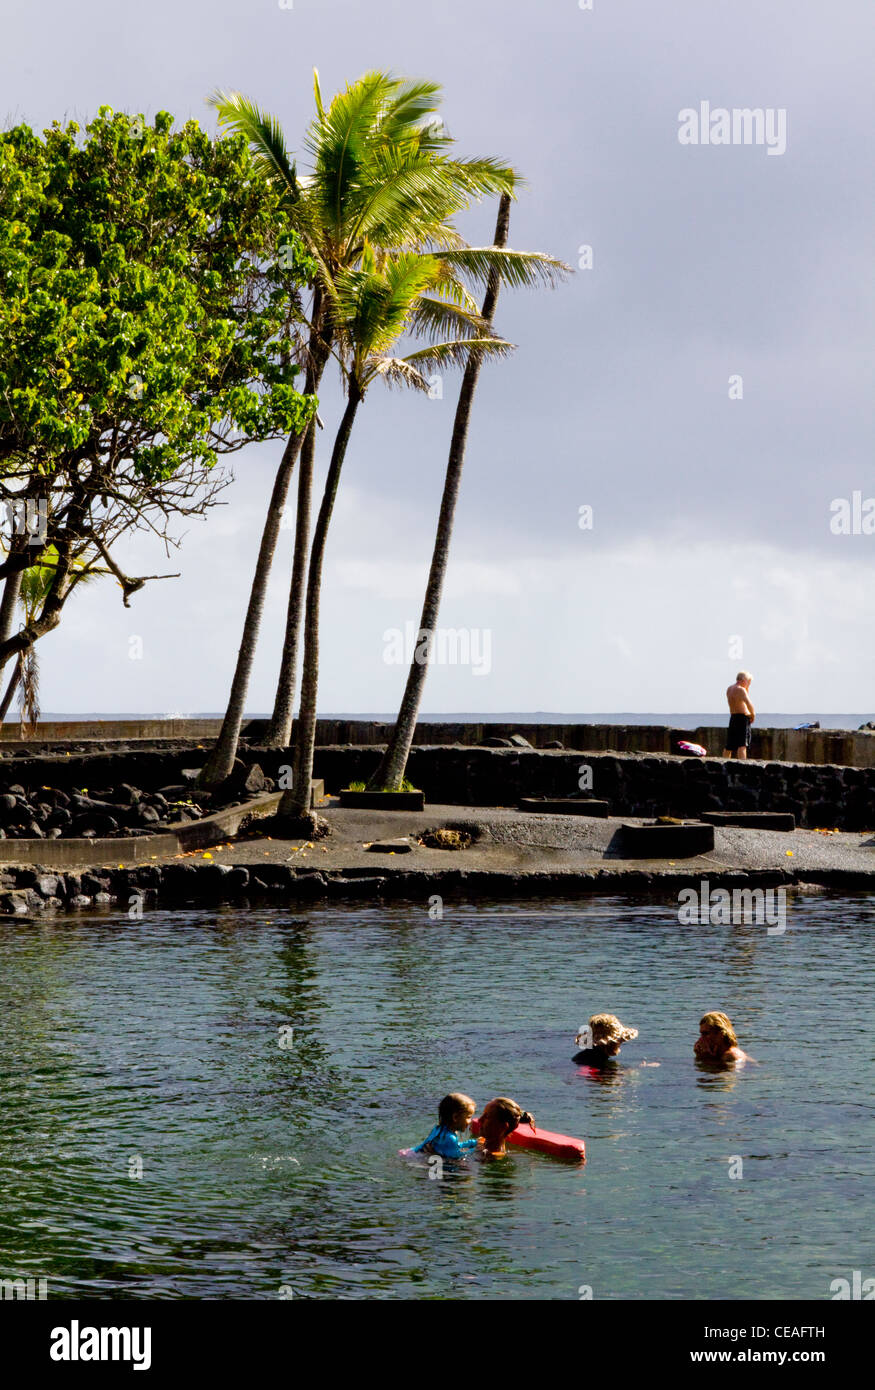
[455, 1113]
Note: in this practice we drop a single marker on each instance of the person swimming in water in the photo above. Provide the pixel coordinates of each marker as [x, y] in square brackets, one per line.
[499, 1119]
[455, 1113]
[602, 1038]
[717, 1044]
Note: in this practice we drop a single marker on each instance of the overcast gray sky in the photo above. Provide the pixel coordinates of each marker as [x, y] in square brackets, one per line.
[711, 516]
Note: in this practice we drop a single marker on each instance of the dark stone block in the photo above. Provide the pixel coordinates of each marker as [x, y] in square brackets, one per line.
[308, 885]
[246, 781]
[92, 884]
[146, 875]
[667, 841]
[179, 882]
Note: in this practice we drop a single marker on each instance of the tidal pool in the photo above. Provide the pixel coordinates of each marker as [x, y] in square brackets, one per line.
[261, 1069]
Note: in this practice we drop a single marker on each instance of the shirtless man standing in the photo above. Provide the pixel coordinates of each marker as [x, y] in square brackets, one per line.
[741, 716]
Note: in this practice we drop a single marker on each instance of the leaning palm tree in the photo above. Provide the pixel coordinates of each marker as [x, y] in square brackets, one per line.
[382, 174]
[390, 773]
[374, 305]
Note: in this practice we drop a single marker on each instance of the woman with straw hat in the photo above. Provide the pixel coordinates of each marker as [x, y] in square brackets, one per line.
[601, 1040]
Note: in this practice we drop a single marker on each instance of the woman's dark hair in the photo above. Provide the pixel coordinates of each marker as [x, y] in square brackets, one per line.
[452, 1107]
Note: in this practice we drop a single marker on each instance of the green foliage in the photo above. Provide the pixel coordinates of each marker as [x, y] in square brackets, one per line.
[376, 215]
[403, 786]
[37, 581]
[148, 282]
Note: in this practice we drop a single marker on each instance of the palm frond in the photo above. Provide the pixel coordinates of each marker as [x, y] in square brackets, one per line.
[435, 318]
[517, 269]
[449, 287]
[483, 177]
[403, 198]
[263, 133]
[457, 354]
[28, 691]
[37, 580]
[395, 371]
[338, 142]
[317, 92]
[375, 303]
[407, 110]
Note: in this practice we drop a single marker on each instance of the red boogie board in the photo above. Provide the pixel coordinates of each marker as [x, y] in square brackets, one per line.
[544, 1141]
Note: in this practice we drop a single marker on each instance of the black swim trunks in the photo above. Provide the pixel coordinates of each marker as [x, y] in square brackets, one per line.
[738, 733]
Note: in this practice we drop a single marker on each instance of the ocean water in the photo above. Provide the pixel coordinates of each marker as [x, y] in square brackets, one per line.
[210, 1104]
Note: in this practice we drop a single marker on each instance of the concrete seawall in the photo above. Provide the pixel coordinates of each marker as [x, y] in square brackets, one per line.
[819, 746]
[820, 796]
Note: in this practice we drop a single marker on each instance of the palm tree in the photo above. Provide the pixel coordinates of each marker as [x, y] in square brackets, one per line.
[390, 773]
[375, 305]
[382, 174]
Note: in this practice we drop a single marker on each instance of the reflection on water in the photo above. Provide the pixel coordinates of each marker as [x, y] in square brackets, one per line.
[211, 1104]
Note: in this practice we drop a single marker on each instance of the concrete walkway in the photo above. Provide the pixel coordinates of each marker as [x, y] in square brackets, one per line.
[510, 842]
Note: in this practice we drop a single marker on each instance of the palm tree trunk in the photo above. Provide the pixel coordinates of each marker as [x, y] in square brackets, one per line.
[221, 760]
[295, 804]
[10, 691]
[390, 772]
[279, 730]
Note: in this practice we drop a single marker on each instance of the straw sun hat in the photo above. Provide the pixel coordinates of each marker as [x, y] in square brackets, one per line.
[608, 1028]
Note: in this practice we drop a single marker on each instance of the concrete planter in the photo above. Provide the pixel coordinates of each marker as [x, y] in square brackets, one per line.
[564, 806]
[755, 820]
[667, 841]
[382, 801]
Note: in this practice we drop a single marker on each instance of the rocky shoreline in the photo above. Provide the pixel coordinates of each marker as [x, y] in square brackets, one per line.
[124, 811]
[28, 892]
[449, 851]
